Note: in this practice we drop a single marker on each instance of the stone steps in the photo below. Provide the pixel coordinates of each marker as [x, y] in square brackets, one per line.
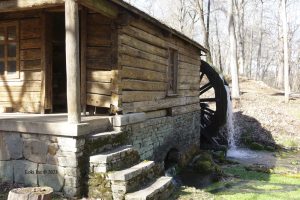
[161, 189]
[105, 141]
[113, 160]
[133, 178]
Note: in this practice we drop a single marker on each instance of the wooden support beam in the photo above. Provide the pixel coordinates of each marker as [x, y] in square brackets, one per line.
[83, 21]
[72, 64]
[104, 7]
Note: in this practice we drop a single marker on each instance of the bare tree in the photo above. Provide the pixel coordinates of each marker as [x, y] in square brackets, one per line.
[286, 53]
[233, 52]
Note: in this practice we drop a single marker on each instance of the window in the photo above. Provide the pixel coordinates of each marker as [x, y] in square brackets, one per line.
[9, 49]
[172, 72]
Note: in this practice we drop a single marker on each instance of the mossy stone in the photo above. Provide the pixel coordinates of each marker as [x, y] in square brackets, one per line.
[270, 148]
[256, 146]
[204, 166]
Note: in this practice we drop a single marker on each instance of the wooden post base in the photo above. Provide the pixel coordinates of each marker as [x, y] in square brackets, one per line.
[31, 193]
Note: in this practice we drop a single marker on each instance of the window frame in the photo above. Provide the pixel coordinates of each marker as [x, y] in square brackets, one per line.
[6, 42]
[172, 64]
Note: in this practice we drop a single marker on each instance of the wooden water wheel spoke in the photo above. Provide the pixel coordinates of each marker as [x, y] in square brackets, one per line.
[201, 76]
[208, 100]
[205, 88]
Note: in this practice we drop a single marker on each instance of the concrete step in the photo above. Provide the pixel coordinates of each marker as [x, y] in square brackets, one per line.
[105, 141]
[113, 160]
[161, 189]
[133, 178]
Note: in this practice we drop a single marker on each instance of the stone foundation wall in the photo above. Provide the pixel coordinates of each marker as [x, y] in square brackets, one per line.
[153, 138]
[40, 160]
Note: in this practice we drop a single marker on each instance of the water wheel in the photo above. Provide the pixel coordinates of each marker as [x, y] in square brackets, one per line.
[213, 102]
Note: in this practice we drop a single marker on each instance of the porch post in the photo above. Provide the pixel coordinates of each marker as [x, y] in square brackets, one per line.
[72, 61]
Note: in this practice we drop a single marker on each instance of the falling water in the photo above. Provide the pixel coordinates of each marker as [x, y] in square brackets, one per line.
[233, 151]
[230, 122]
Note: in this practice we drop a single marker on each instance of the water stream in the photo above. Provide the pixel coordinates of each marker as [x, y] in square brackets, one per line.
[234, 151]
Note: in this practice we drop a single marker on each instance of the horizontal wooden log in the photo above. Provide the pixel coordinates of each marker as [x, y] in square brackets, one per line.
[25, 88]
[20, 96]
[189, 79]
[188, 72]
[137, 44]
[187, 66]
[30, 64]
[30, 107]
[98, 100]
[188, 86]
[96, 19]
[18, 83]
[178, 110]
[30, 28]
[98, 53]
[188, 93]
[148, 27]
[141, 63]
[99, 35]
[159, 104]
[99, 64]
[186, 59]
[136, 96]
[142, 74]
[124, 49]
[98, 88]
[156, 114]
[31, 75]
[144, 36]
[136, 85]
[30, 43]
[99, 76]
[30, 54]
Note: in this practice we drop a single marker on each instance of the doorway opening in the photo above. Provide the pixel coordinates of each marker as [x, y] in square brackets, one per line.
[59, 80]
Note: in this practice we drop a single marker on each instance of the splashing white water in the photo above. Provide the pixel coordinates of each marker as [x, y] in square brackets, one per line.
[230, 122]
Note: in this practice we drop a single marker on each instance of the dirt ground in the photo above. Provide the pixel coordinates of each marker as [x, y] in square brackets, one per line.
[263, 115]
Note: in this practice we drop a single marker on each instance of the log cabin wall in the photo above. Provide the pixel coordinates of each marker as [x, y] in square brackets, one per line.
[100, 60]
[23, 93]
[144, 60]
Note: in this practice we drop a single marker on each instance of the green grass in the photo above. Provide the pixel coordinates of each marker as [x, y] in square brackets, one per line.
[247, 185]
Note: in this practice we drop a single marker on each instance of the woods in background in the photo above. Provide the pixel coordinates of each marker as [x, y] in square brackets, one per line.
[267, 37]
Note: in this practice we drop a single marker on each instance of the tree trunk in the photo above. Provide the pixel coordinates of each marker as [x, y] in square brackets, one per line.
[31, 193]
[258, 61]
[219, 58]
[235, 93]
[280, 71]
[286, 53]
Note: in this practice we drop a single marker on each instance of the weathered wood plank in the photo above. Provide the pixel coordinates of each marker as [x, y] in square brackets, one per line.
[20, 96]
[124, 49]
[83, 65]
[30, 43]
[189, 79]
[186, 59]
[136, 85]
[188, 86]
[98, 52]
[136, 96]
[144, 36]
[98, 100]
[30, 107]
[24, 88]
[30, 54]
[30, 75]
[102, 64]
[141, 63]
[137, 44]
[99, 76]
[99, 35]
[145, 106]
[142, 74]
[99, 88]
[30, 64]
[30, 28]
[19, 83]
[188, 93]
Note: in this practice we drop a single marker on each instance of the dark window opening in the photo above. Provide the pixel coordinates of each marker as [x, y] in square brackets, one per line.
[172, 72]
